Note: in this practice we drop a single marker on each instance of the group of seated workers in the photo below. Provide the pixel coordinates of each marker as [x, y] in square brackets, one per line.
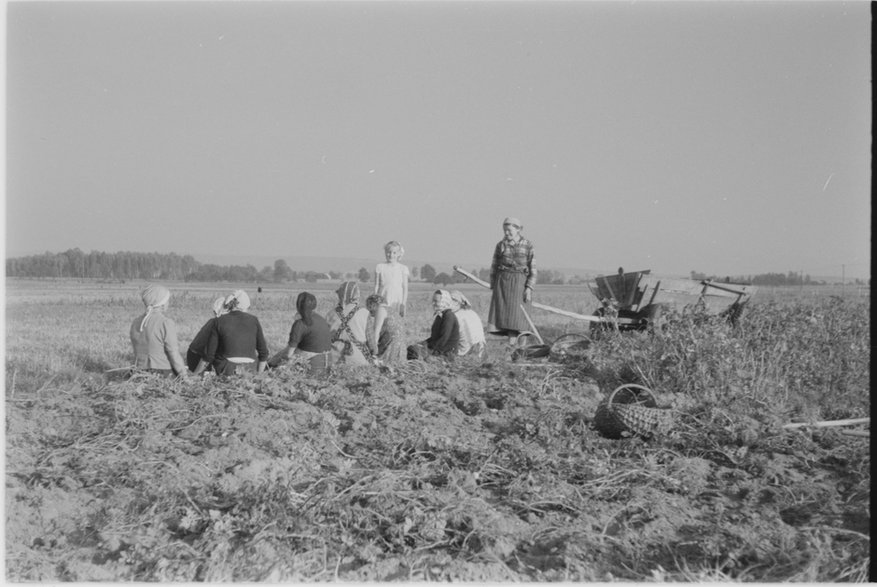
[232, 340]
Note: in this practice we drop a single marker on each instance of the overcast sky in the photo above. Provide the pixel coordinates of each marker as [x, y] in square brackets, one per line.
[729, 138]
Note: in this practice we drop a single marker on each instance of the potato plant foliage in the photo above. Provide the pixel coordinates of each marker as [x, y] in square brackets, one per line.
[467, 472]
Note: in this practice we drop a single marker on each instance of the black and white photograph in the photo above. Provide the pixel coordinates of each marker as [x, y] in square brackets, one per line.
[467, 291]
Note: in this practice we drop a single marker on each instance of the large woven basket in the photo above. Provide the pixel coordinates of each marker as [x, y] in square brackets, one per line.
[631, 409]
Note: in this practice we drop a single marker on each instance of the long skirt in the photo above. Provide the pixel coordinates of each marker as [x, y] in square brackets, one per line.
[505, 303]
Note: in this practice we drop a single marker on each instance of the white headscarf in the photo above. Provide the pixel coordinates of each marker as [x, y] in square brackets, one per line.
[219, 307]
[348, 293]
[445, 301]
[458, 297]
[154, 297]
[239, 300]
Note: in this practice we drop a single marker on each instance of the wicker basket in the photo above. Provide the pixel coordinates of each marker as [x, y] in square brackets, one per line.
[631, 409]
[526, 347]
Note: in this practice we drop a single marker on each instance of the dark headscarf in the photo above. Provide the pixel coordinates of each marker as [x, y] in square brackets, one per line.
[306, 303]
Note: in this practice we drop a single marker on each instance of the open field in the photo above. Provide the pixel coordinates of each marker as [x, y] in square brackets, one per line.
[467, 472]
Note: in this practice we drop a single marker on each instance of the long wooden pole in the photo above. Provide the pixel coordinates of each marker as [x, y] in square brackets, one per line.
[575, 315]
[566, 313]
[726, 288]
[480, 282]
[533, 326]
[827, 423]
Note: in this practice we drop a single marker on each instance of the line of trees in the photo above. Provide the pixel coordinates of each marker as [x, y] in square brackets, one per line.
[774, 279]
[778, 279]
[171, 266]
[124, 265]
[97, 264]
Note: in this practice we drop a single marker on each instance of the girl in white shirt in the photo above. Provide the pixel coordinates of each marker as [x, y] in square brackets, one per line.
[391, 278]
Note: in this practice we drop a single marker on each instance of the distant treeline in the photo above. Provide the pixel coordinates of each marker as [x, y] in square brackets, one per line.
[125, 265]
[778, 279]
[167, 266]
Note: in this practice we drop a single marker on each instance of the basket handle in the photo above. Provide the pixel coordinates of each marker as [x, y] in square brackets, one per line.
[628, 385]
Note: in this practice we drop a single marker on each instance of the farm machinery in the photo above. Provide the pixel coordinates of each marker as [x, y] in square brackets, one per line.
[635, 301]
[623, 298]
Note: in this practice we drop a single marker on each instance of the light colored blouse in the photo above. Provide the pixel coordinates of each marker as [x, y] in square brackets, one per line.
[156, 346]
[471, 330]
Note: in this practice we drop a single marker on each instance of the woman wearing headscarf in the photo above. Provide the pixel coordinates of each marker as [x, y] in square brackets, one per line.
[198, 346]
[154, 335]
[236, 343]
[472, 341]
[386, 342]
[444, 336]
[309, 337]
[348, 323]
[512, 277]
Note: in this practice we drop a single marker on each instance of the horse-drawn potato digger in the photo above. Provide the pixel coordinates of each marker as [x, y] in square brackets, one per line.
[623, 298]
[636, 301]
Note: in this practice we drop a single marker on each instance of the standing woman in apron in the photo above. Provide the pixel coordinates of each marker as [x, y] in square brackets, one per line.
[512, 277]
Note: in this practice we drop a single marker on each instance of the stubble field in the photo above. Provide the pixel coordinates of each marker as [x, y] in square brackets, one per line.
[488, 471]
